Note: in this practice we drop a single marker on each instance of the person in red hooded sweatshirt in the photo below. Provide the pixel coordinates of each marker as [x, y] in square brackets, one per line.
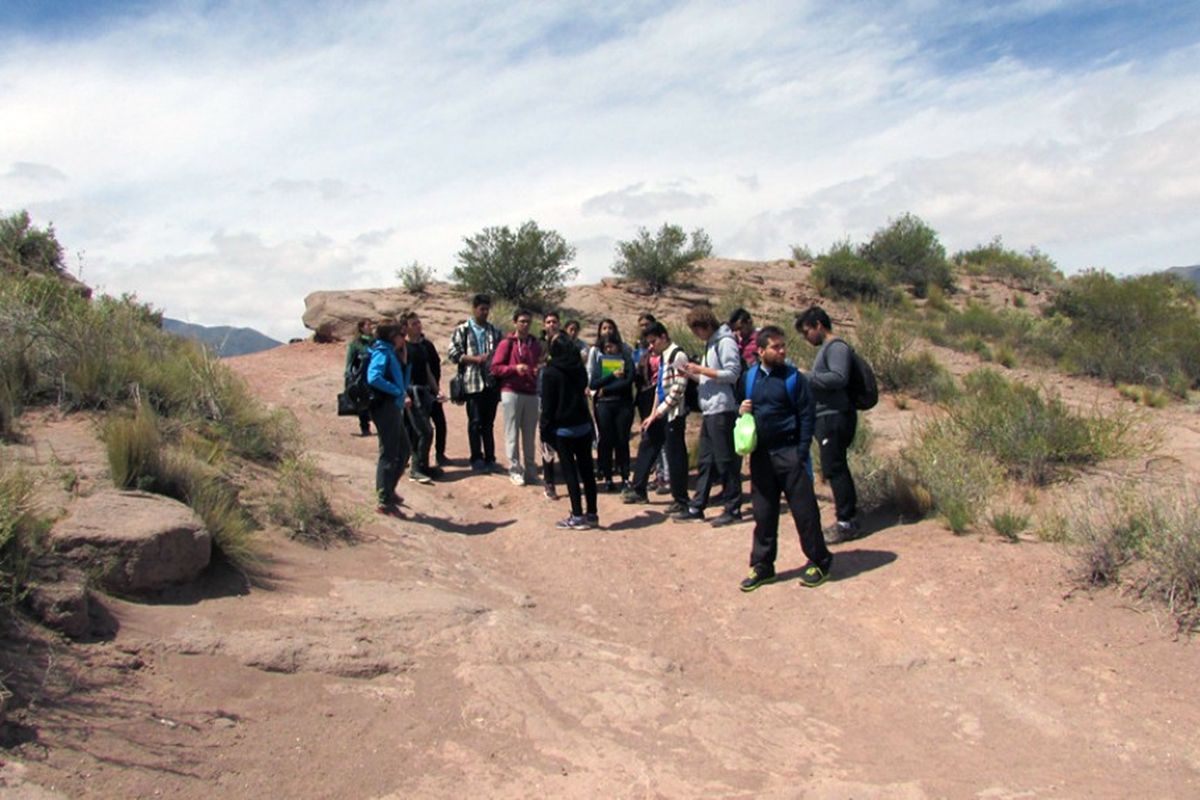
[515, 367]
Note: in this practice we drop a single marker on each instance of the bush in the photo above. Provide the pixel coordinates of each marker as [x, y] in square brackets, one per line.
[885, 345]
[24, 248]
[1141, 329]
[844, 273]
[528, 268]
[663, 259]
[959, 480]
[22, 532]
[302, 506]
[801, 253]
[1031, 271]
[1035, 438]
[907, 251]
[1009, 524]
[1157, 527]
[415, 278]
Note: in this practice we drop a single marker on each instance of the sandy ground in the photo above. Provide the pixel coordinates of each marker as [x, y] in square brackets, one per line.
[475, 650]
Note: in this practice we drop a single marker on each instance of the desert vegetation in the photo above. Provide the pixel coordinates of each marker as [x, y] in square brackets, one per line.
[528, 267]
[661, 259]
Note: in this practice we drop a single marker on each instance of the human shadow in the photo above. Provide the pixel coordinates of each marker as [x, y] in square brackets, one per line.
[463, 529]
[645, 519]
[848, 564]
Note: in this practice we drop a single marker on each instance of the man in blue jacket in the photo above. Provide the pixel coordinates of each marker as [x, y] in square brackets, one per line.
[783, 417]
[388, 378]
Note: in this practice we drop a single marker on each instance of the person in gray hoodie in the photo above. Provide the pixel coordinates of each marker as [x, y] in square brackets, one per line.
[836, 417]
[718, 410]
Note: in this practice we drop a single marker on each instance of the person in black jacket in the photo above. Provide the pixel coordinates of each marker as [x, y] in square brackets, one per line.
[566, 421]
[613, 387]
[782, 406]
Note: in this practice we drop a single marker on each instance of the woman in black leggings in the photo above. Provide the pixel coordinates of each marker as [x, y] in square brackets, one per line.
[612, 382]
[566, 421]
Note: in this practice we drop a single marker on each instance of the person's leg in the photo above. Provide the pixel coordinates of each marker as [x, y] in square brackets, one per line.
[706, 466]
[527, 408]
[677, 457]
[586, 470]
[606, 423]
[475, 404]
[568, 454]
[364, 422]
[622, 425]
[764, 503]
[387, 469]
[422, 429]
[487, 424]
[728, 462]
[509, 402]
[798, 489]
[649, 450]
[832, 441]
[438, 415]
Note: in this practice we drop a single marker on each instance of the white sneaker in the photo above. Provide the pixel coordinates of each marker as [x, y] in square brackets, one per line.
[517, 478]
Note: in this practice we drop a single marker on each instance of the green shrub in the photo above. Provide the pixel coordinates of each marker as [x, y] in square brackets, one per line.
[908, 252]
[663, 259]
[22, 532]
[415, 278]
[885, 343]
[1035, 438]
[302, 507]
[801, 252]
[1031, 271]
[133, 446]
[736, 294]
[1009, 524]
[842, 272]
[528, 267]
[957, 478]
[25, 248]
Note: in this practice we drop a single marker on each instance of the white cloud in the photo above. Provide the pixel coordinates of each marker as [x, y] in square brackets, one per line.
[342, 142]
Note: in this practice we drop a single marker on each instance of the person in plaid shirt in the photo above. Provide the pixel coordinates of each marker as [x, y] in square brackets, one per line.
[471, 347]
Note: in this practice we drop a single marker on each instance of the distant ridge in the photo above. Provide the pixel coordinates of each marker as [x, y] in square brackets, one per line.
[222, 339]
[1191, 273]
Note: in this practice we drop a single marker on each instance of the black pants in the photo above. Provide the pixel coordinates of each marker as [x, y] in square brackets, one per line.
[719, 461]
[481, 424]
[420, 426]
[782, 471]
[670, 435]
[614, 419]
[834, 433]
[575, 453]
[364, 421]
[394, 450]
[645, 402]
[437, 414]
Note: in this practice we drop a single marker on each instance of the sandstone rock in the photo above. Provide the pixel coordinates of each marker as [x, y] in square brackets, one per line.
[63, 603]
[133, 541]
[333, 315]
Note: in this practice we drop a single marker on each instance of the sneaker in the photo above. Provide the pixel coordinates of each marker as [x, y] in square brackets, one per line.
[812, 576]
[662, 487]
[517, 479]
[574, 523]
[389, 511]
[677, 508]
[434, 472]
[593, 520]
[631, 496]
[550, 492]
[689, 514]
[420, 477]
[841, 531]
[758, 576]
[726, 519]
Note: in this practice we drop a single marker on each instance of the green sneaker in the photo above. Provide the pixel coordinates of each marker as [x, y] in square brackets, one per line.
[758, 576]
[813, 576]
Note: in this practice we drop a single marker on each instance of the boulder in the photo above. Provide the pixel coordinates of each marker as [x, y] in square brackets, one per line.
[62, 604]
[133, 542]
[334, 315]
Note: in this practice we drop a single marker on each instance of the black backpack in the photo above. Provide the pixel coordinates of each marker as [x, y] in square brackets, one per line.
[863, 389]
[358, 391]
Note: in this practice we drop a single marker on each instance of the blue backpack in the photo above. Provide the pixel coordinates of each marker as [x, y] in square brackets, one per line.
[793, 384]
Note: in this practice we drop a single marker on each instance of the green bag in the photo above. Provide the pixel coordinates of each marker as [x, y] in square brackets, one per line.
[745, 435]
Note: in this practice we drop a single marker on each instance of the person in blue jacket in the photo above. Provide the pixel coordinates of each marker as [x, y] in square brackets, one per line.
[782, 405]
[388, 377]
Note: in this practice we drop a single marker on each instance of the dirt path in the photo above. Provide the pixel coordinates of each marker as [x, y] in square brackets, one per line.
[477, 651]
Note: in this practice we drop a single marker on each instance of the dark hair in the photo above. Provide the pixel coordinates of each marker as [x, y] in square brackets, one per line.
[813, 317]
[564, 352]
[571, 322]
[388, 331]
[645, 318]
[738, 316]
[600, 325]
[607, 339]
[521, 312]
[481, 300]
[363, 323]
[656, 329]
[767, 333]
[702, 316]
[550, 314]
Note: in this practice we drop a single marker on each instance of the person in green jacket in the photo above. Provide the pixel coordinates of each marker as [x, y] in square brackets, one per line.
[361, 343]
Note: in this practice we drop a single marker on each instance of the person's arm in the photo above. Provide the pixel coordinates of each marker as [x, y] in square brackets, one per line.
[435, 362]
[500, 366]
[550, 391]
[806, 418]
[458, 345]
[350, 352]
[678, 384]
[377, 374]
[625, 382]
[836, 374]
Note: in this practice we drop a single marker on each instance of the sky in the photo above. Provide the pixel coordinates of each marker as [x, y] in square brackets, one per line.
[224, 159]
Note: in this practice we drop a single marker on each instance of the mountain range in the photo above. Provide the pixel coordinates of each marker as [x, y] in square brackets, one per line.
[222, 339]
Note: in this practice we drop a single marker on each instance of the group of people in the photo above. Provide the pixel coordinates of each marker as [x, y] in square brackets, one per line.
[562, 398]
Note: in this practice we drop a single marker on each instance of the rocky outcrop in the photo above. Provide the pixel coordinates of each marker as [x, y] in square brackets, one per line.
[333, 315]
[133, 542]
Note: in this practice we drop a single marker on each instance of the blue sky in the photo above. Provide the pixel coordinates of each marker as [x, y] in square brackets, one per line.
[224, 159]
